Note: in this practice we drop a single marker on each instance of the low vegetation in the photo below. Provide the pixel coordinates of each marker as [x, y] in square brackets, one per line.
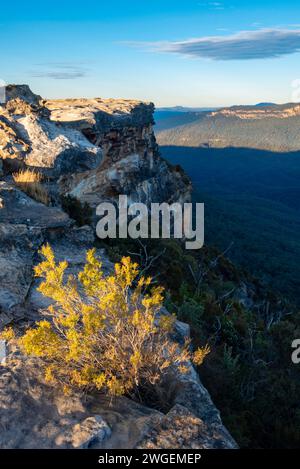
[30, 182]
[249, 328]
[80, 212]
[259, 212]
[105, 332]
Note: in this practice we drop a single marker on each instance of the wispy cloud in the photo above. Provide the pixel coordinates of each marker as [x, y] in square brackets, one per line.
[216, 5]
[212, 5]
[59, 71]
[245, 45]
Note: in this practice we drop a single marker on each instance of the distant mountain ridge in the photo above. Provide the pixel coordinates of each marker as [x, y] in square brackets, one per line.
[265, 126]
[187, 109]
[265, 104]
[205, 109]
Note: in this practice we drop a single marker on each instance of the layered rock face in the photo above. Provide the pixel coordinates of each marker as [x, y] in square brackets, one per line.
[131, 163]
[94, 149]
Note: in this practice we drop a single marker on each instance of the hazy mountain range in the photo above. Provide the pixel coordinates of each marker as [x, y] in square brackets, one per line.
[265, 126]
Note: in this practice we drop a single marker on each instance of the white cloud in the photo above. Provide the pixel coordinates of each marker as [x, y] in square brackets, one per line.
[60, 71]
[245, 45]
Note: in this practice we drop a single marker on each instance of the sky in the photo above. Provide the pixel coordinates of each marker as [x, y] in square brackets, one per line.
[171, 52]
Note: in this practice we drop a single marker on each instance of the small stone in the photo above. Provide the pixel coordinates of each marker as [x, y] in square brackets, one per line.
[182, 330]
[88, 431]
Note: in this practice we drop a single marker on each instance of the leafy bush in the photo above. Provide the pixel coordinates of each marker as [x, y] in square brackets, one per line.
[29, 181]
[105, 332]
[80, 212]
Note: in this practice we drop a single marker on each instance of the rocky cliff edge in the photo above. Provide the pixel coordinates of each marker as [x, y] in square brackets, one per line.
[94, 150]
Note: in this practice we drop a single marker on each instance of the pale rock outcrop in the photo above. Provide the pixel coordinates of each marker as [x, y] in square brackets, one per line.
[58, 148]
[98, 116]
[27, 133]
[131, 163]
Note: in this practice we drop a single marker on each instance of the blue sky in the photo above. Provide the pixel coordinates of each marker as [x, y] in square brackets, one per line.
[192, 52]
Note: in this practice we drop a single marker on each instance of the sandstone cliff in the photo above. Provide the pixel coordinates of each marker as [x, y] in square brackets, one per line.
[93, 150]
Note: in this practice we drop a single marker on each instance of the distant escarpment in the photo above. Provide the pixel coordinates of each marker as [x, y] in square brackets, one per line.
[264, 127]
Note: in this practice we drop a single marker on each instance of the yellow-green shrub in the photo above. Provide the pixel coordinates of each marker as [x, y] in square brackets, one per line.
[104, 332]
